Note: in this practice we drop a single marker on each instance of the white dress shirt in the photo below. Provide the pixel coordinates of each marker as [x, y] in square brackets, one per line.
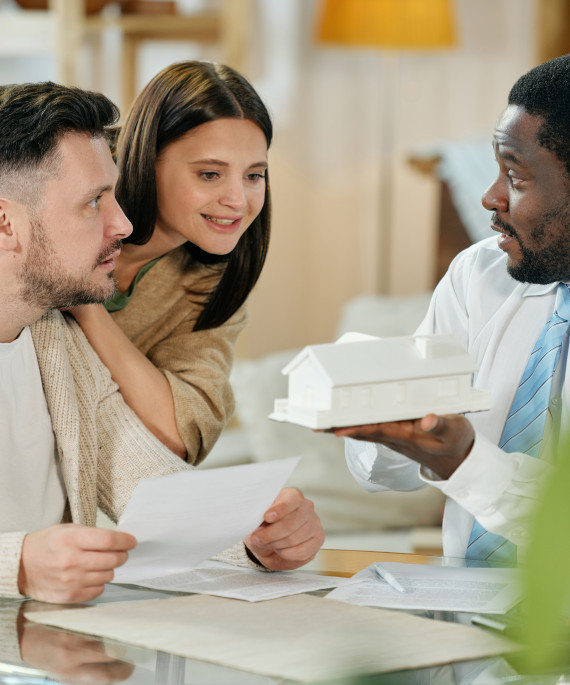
[498, 320]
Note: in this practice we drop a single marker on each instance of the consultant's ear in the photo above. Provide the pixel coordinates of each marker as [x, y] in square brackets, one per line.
[9, 241]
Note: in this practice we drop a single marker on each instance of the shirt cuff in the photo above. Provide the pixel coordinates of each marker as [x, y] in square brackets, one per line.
[480, 480]
[10, 552]
[238, 556]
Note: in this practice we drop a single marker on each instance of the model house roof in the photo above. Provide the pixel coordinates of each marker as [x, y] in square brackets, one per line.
[379, 360]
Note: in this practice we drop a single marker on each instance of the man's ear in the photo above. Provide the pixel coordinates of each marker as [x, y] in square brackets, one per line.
[9, 239]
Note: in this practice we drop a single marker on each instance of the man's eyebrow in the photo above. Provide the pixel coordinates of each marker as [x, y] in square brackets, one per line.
[95, 192]
[510, 157]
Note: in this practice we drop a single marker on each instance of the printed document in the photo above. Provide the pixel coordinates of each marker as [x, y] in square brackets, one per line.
[224, 580]
[436, 588]
[181, 519]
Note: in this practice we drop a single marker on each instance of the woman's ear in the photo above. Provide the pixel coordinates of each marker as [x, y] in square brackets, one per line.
[9, 241]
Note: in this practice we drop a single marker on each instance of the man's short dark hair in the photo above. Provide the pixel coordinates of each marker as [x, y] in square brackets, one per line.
[33, 118]
[545, 91]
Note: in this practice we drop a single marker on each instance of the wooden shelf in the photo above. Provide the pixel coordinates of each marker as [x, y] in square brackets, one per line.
[226, 24]
[203, 27]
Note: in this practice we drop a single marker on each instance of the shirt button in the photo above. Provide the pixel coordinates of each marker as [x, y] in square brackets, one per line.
[462, 493]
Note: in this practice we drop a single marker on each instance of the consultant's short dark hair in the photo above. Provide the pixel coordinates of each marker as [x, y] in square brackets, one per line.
[34, 116]
[181, 97]
[545, 91]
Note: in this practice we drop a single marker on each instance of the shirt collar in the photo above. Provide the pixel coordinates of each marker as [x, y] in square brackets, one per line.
[534, 289]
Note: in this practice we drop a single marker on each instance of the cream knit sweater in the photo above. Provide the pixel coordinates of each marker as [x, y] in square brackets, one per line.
[104, 450]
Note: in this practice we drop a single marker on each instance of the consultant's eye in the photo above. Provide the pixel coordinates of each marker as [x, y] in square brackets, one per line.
[94, 202]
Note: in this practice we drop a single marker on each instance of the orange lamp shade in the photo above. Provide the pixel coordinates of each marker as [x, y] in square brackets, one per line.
[415, 24]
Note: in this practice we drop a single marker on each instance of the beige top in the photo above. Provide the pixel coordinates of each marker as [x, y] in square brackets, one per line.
[159, 320]
[103, 448]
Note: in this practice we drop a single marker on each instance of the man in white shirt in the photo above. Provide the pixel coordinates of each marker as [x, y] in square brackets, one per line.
[69, 443]
[496, 298]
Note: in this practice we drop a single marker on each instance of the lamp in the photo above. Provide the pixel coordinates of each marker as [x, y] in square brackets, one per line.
[408, 24]
[392, 25]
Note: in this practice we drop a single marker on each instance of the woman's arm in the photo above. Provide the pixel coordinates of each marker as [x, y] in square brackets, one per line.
[143, 386]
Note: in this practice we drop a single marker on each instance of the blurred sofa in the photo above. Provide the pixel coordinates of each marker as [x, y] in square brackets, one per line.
[322, 473]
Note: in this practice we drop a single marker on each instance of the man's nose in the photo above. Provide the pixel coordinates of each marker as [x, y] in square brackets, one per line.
[495, 198]
[118, 225]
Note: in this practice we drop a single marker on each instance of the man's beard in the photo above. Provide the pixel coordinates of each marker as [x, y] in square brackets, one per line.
[46, 285]
[551, 261]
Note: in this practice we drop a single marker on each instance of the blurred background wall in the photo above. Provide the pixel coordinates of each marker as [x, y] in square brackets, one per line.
[352, 214]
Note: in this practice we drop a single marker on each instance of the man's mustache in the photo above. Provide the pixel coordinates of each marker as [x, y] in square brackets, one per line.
[506, 228]
[113, 247]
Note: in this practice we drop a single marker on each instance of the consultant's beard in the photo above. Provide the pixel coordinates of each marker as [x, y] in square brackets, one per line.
[551, 261]
[46, 285]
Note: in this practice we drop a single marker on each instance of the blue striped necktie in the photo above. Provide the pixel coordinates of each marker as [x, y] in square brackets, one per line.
[526, 421]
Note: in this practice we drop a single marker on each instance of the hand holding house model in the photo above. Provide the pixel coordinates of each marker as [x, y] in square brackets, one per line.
[363, 380]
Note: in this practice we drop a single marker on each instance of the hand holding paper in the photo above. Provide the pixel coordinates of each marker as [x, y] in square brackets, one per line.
[182, 519]
[290, 535]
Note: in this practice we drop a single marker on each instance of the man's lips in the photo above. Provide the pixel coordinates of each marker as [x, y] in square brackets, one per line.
[501, 227]
[502, 230]
[109, 258]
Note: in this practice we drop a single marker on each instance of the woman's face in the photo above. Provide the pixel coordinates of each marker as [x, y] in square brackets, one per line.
[211, 184]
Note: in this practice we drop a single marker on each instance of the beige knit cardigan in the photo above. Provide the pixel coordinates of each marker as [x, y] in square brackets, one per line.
[102, 446]
[159, 319]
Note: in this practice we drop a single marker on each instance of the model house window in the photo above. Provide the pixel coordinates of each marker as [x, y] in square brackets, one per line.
[448, 387]
[401, 393]
[365, 396]
[346, 398]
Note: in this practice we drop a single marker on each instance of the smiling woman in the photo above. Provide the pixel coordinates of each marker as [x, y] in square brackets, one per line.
[211, 185]
[192, 158]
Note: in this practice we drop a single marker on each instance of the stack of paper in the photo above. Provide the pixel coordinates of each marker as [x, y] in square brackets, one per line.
[436, 588]
[224, 580]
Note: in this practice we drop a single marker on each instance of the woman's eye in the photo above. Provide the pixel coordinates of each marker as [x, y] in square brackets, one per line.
[256, 177]
[209, 175]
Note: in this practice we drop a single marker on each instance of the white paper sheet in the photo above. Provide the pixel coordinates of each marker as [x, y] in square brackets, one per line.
[437, 588]
[184, 518]
[223, 580]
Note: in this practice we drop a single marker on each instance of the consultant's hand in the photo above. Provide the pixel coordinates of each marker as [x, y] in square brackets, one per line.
[70, 658]
[440, 443]
[71, 563]
[290, 535]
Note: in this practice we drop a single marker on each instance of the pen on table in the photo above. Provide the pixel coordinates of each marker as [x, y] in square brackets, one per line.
[385, 575]
[502, 623]
[489, 622]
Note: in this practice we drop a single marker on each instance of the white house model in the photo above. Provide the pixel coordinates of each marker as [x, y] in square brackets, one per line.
[372, 380]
